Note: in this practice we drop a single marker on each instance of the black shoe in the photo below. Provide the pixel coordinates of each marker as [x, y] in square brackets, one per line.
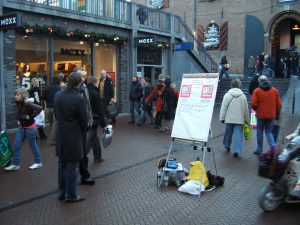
[78, 198]
[227, 149]
[131, 122]
[256, 153]
[139, 124]
[235, 155]
[61, 198]
[88, 181]
[96, 161]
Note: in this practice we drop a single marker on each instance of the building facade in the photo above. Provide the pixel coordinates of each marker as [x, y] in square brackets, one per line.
[241, 28]
[43, 38]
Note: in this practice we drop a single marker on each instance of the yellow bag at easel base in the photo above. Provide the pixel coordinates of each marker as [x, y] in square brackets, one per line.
[196, 171]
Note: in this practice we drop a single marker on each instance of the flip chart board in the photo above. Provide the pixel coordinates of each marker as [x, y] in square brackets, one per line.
[195, 106]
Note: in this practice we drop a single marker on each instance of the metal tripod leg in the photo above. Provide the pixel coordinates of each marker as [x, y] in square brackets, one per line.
[164, 168]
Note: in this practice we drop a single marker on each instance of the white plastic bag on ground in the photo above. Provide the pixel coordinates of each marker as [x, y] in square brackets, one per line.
[192, 187]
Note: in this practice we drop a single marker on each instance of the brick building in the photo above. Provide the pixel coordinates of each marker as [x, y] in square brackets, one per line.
[245, 27]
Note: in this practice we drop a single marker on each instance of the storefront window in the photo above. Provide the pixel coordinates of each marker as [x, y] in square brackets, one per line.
[105, 59]
[149, 56]
[69, 54]
[31, 60]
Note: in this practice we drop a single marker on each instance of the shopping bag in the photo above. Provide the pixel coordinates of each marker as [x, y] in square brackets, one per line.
[198, 173]
[253, 119]
[247, 131]
[112, 111]
[40, 119]
[6, 151]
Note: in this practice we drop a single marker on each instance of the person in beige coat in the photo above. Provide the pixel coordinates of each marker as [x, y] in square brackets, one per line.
[234, 113]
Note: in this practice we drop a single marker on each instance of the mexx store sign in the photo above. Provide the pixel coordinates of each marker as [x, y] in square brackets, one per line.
[10, 21]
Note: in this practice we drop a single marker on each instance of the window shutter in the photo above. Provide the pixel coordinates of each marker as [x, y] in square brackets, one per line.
[200, 36]
[224, 36]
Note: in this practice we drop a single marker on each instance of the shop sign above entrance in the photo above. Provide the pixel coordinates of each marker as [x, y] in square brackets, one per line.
[145, 40]
[10, 21]
[72, 52]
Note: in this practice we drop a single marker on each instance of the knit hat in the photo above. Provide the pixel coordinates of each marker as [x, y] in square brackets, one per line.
[161, 77]
[262, 79]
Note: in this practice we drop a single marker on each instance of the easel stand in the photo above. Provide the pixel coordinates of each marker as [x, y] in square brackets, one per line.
[205, 149]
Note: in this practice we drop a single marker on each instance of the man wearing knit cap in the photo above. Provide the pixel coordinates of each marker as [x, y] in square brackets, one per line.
[267, 103]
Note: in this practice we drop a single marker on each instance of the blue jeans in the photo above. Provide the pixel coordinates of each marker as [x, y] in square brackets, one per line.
[21, 135]
[262, 125]
[135, 105]
[142, 118]
[67, 178]
[237, 131]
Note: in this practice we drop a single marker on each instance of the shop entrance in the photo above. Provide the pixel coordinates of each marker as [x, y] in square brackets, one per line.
[151, 72]
[285, 43]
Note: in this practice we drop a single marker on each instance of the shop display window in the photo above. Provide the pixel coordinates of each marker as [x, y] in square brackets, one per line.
[69, 54]
[31, 61]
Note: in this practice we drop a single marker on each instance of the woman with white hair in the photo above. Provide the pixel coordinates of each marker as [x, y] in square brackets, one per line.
[26, 111]
[234, 113]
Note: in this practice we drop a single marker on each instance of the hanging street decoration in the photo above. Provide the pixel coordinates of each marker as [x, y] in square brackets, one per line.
[27, 29]
[212, 37]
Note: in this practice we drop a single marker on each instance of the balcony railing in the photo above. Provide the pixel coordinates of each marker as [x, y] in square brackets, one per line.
[153, 19]
[118, 9]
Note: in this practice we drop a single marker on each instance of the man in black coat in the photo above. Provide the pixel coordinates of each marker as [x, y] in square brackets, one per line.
[135, 95]
[70, 112]
[98, 119]
[49, 94]
[107, 93]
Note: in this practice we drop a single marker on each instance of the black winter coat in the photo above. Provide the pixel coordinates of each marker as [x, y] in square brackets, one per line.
[253, 84]
[49, 94]
[136, 91]
[96, 106]
[71, 115]
[35, 93]
[109, 92]
[171, 101]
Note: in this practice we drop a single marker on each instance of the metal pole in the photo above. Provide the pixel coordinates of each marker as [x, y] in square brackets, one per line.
[3, 111]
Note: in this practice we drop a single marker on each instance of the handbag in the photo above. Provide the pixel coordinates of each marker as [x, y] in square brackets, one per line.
[112, 111]
[6, 151]
[247, 131]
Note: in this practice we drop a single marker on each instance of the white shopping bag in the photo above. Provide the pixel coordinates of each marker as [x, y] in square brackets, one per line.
[192, 187]
[40, 119]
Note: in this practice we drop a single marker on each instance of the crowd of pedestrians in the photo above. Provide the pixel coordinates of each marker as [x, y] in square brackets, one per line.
[159, 102]
[71, 104]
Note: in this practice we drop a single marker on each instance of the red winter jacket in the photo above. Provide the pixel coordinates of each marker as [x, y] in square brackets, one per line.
[266, 101]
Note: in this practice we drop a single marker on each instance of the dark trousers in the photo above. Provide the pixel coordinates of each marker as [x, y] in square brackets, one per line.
[83, 163]
[134, 105]
[158, 119]
[67, 178]
[93, 142]
[41, 132]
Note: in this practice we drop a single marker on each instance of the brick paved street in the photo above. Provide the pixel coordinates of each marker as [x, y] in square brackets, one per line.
[125, 191]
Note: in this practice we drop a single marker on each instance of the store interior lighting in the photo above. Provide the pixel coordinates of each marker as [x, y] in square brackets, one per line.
[296, 27]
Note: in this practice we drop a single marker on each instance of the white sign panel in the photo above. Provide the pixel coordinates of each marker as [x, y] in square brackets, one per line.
[195, 106]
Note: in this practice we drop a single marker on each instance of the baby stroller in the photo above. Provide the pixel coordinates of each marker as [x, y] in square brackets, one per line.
[284, 171]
